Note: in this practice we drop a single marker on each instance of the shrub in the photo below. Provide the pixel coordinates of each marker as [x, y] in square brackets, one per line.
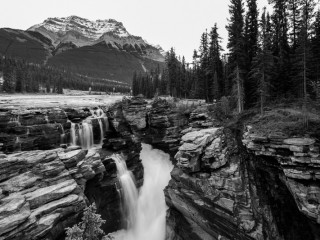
[89, 228]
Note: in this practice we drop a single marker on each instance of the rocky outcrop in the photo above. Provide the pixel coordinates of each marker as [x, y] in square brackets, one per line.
[42, 192]
[298, 161]
[219, 190]
[120, 139]
[209, 192]
[40, 129]
[165, 123]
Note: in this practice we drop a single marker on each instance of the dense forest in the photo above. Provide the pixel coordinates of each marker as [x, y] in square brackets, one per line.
[20, 76]
[271, 56]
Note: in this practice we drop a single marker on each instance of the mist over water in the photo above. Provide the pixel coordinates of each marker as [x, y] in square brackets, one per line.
[150, 212]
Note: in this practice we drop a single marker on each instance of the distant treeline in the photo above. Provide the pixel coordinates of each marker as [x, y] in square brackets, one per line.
[270, 57]
[22, 77]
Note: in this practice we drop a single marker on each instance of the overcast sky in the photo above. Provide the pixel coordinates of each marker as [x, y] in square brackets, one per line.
[170, 23]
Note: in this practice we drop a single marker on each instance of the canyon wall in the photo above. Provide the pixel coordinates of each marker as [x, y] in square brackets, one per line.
[221, 188]
[227, 183]
[44, 191]
[41, 128]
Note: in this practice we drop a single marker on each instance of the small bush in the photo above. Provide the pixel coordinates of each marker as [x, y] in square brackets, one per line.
[89, 228]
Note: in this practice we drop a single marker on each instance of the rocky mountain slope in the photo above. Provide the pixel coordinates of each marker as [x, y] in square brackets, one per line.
[101, 48]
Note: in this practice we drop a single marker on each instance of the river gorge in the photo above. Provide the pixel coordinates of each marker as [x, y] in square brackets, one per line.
[154, 171]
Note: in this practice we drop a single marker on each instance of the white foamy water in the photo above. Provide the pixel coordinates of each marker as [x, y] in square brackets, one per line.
[86, 135]
[129, 191]
[150, 214]
[82, 133]
[101, 130]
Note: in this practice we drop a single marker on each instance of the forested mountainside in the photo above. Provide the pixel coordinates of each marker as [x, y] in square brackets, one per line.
[100, 49]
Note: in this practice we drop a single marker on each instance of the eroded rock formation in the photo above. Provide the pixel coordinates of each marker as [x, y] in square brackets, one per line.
[220, 190]
[225, 184]
[41, 192]
[44, 191]
[298, 163]
[39, 129]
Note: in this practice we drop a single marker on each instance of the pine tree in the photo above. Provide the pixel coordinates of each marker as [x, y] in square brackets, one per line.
[251, 46]
[280, 49]
[215, 64]
[315, 61]
[307, 8]
[203, 67]
[294, 18]
[238, 89]
[262, 67]
[236, 48]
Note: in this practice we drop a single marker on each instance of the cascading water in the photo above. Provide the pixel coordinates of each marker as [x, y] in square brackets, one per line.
[86, 135]
[82, 133]
[73, 136]
[129, 191]
[150, 213]
[63, 134]
[17, 144]
[101, 130]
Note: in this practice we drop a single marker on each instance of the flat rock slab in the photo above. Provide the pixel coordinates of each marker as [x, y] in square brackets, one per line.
[299, 141]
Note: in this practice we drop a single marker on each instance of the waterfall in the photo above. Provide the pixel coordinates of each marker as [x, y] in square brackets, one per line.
[101, 130]
[63, 134]
[129, 191]
[17, 144]
[86, 135]
[150, 213]
[73, 136]
[82, 133]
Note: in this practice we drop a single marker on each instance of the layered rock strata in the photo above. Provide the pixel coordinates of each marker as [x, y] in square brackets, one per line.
[219, 190]
[165, 123]
[105, 190]
[40, 129]
[41, 192]
[298, 161]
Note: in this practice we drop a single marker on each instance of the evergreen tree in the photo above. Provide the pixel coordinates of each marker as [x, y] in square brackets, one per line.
[215, 68]
[251, 46]
[236, 48]
[262, 67]
[315, 61]
[203, 68]
[238, 89]
[280, 49]
[294, 18]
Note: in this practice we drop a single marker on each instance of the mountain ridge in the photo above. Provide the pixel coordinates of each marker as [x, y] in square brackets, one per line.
[102, 48]
[84, 32]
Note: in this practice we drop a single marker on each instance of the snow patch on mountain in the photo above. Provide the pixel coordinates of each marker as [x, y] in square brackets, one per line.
[83, 32]
[90, 29]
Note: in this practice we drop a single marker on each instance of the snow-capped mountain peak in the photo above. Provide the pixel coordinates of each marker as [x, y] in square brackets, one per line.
[90, 29]
[74, 31]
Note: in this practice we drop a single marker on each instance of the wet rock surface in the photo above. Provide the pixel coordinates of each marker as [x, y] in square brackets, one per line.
[41, 128]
